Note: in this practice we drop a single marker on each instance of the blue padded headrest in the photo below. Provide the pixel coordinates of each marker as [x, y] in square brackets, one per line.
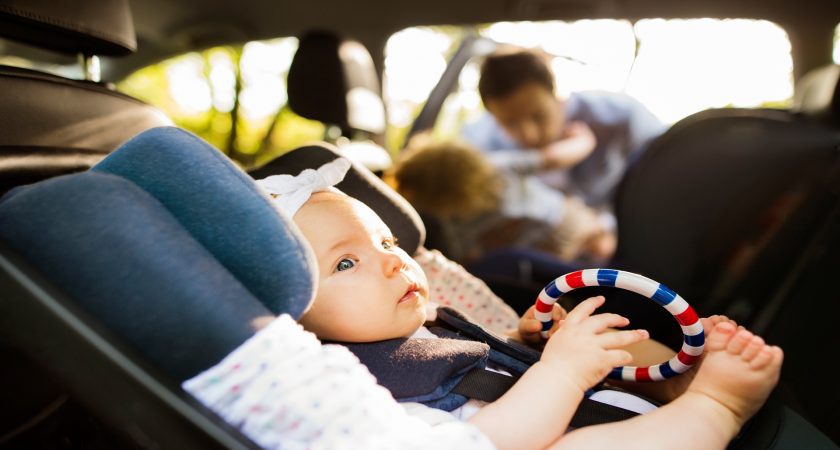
[121, 256]
[222, 208]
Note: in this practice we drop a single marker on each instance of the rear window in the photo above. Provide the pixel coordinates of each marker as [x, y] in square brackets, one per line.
[674, 67]
[232, 96]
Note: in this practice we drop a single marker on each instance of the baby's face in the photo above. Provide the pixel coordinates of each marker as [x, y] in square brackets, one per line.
[369, 289]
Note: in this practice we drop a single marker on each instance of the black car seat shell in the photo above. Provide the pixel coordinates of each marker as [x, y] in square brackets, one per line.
[738, 210]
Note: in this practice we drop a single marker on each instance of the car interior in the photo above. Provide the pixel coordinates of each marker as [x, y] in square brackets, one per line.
[749, 224]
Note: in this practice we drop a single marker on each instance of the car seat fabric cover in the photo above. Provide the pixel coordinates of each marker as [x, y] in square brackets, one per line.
[222, 208]
[739, 160]
[127, 261]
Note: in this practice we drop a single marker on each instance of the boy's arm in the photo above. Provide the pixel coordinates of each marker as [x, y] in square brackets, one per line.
[538, 408]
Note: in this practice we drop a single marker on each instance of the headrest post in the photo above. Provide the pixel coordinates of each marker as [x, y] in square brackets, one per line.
[90, 67]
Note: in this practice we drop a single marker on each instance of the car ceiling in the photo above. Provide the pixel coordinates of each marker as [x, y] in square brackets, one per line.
[169, 27]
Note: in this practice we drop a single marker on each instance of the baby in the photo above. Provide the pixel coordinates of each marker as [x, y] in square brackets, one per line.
[484, 207]
[371, 290]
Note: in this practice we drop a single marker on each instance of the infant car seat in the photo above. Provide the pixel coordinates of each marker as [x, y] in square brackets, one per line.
[165, 254]
[153, 284]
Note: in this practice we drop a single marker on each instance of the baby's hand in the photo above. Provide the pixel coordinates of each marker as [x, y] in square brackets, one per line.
[529, 327]
[584, 349]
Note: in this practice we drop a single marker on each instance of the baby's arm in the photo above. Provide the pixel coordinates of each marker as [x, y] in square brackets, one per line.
[538, 408]
[574, 146]
[283, 389]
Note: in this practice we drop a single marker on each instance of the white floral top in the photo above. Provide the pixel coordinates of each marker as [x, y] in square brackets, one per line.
[284, 389]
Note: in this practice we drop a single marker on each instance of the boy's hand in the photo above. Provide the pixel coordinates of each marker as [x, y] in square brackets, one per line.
[529, 327]
[584, 349]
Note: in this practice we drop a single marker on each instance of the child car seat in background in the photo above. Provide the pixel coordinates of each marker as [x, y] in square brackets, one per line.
[736, 210]
[50, 125]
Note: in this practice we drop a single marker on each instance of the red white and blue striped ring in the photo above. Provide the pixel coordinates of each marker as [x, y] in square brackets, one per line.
[693, 336]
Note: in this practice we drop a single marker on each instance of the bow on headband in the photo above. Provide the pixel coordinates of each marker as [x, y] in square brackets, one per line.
[290, 192]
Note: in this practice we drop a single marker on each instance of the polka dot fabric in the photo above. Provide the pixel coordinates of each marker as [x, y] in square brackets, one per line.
[284, 389]
[451, 285]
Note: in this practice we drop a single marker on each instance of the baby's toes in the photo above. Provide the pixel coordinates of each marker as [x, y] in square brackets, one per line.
[739, 342]
[752, 349]
[770, 357]
[719, 337]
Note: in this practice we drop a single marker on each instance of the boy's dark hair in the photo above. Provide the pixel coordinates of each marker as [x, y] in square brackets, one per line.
[508, 69]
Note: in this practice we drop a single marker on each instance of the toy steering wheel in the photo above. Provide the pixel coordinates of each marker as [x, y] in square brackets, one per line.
[693, 336]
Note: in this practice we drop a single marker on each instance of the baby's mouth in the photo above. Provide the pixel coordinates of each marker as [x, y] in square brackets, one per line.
[411, 293]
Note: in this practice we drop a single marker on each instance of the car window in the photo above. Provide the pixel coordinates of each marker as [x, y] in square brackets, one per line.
[674, 67]
[208, 92]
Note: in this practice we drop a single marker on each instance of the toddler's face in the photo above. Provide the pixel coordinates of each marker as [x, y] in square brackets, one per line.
[369, 289]
[531, 114]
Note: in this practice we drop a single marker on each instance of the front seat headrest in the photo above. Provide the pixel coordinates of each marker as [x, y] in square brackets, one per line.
[334, 81]
[92, 27]
[817, 93]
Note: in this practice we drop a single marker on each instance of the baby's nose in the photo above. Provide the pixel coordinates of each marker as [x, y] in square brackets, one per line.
[392, 263]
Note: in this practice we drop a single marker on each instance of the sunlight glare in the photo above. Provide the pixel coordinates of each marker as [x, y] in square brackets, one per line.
[685, 66]
[414, 61]
[187, 85]
[264, 67]
[837, 45]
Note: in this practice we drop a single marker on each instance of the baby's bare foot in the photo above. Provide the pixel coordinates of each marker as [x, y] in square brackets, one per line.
[676, 386]
[739, 370]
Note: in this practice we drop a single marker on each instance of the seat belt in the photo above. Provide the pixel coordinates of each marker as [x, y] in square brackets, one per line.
[488, 386]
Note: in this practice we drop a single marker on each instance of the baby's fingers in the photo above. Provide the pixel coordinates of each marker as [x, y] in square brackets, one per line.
[584, 309]
[529, 330]
[601, 322]
[558, 313]
[620, 339]
[615, 358]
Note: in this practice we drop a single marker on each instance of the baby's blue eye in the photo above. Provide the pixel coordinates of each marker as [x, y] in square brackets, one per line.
[345, 264]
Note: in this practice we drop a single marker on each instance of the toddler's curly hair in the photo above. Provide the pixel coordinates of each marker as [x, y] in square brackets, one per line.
[447, 179]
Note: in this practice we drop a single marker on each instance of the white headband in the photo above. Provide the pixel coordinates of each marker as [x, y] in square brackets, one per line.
[290, 192]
